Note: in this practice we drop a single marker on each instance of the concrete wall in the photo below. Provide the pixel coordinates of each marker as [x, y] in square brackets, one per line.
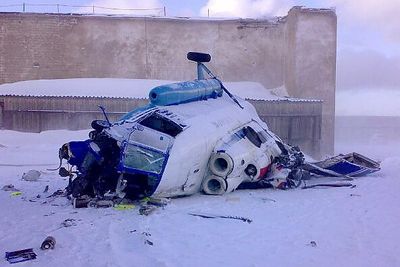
[298, 51]
[310, 67]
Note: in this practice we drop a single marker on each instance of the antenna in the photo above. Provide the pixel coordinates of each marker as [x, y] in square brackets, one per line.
[105, 114]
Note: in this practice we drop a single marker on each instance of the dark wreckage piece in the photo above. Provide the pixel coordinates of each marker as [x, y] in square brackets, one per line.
[20, 255]
[348, 165]
[212, 216]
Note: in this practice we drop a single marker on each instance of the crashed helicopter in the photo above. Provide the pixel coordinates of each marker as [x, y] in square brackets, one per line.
[192, 136]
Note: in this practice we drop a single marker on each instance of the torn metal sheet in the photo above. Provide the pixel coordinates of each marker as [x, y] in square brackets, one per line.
[352, 165]
[20, 255]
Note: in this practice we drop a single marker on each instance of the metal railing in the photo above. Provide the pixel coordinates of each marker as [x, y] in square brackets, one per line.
[93, 9]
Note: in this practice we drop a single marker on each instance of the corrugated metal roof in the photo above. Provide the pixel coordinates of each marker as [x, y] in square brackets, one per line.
[108, 97]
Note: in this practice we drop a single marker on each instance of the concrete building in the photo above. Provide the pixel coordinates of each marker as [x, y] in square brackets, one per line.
[297, 51]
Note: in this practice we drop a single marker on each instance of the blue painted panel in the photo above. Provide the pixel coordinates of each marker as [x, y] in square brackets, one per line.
[183, 92]
[345, 167]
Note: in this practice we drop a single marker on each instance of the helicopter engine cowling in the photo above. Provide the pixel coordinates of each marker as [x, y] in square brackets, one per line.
[214, 185]
[217, 185]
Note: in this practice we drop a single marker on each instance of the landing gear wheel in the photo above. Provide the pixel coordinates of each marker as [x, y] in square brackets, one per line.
[99, 125]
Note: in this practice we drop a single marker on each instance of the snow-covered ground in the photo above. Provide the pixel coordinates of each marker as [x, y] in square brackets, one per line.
[350, 227]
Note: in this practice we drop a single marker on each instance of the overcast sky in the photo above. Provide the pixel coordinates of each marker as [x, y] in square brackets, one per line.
[368, 30]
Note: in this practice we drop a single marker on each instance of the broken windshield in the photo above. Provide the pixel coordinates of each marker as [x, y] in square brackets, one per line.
[144, 159]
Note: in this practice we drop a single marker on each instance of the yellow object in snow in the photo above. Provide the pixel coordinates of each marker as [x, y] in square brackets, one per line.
[17, 193]
[124, 206]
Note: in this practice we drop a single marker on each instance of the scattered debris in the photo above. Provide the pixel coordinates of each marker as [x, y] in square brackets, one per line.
[101, 203]
[68, 223]
[147, 209]
[265, 199]
[20, 255]
[46, 189]
[48, 243]
[329, 185]
[124, 206]
[148, 242]
[31, 175]
[159, 202]
[57, 193]
[15, 194]
[351, 164]
[312, 244]
[80, 202]
[210, 216]
[9, 187]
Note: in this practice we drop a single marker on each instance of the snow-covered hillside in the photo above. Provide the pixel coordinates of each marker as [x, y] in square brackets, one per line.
[314, 227]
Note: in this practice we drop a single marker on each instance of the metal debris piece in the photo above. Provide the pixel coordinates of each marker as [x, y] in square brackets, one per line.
[265, 199]
[124, 206]
[9, 187]
[48, 243]
[59, 192]
[159, 202]
[147, 209]
[81, 202]
[46, 189]
[210, 216]
[329, 185]
[68, 223]
[31, 175]
[148, 242]
[101, 203]
[20, 255]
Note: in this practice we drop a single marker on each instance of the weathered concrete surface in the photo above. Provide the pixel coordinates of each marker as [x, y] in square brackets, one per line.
[311, 63]
[298, 51]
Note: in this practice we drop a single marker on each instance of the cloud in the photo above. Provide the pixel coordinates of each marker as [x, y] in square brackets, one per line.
[124, 7]
[379, 15]
[246, 8]
[367, 69]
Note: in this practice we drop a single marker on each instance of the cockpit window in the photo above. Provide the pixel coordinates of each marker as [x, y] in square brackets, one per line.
[253, 136]
[143, 159]
[144, 136]
[161, 124]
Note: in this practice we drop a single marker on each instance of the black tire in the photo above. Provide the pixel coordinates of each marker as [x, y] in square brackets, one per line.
[99, 125]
